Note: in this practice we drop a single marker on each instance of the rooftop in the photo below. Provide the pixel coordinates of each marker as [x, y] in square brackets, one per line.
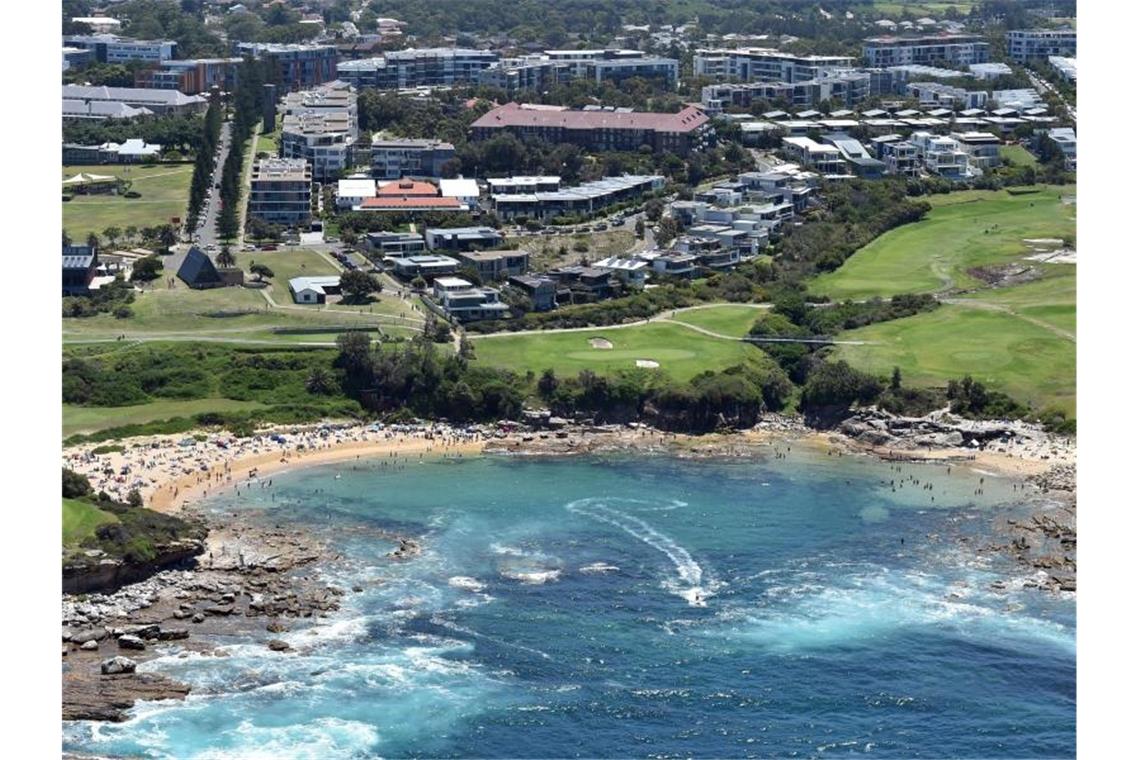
[527, 115]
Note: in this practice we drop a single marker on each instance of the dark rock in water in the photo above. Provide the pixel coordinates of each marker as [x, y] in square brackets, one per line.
[143, 631]
[277, 645]
[276, 626]
[127, 641]
[198, 617]
[117, 665]
[90, 634]
[170, 634]
[358, 589]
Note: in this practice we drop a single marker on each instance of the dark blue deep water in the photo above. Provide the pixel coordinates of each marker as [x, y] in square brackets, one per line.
[631, 607]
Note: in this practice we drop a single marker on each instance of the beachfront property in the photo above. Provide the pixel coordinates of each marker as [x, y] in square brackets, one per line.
[860, 162]
[281, 191]
[393, 158]
[599, 129]
[299, 67]
[320, 126]
[586, 199]
[766, 65]
[495, 265]
[465, 302]
[899, 156]
[132, 151]
[111, 48]
[633, 272]
[463, 238]
[314, 289]
[672, 264]
[82, 99]
[949, 49]
[1027, 45]
[396, 244]
[407, 195]
[553, 68]
[417, 67]
[427, 265]
[825, 159]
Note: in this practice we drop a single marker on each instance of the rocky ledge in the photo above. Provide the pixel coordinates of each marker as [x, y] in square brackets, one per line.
[941, 429]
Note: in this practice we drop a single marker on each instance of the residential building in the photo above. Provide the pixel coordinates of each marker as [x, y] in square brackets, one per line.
[586, 199]
[938, 94]
[673, 264]
[417, 67]
[99, 23]
[299, 66]
[393, 158]
[74, 57]
[900, 156]
[466, 191]
[845, 87]
[281, 191]
[1066, 67]
[110, 48]
[463, 238]
[314, 289]
[541, 290]
[320, 126]
[597, 129]
[192, 75]
[165, 102]
[496, 265]
[778, 184]
[131, 151]
[79, 265]
[631, 271]
[541, 72]
[941, 155]
[466, 303]
[1066, 140]
[826, 159]
[990, 70]
[517, 185]
[860, 162]
[980, 147]
[951, 49]
[583, 284]
[1026, 45]
[397, 244]
[428, 265]
[765, 65]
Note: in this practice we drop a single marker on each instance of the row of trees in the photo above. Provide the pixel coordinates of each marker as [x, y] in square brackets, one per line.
[247, 101]
[204, 163]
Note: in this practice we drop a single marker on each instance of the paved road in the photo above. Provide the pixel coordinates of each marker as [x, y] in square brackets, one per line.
[207, 232]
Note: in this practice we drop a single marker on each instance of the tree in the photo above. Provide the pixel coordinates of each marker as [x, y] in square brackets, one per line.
[74, 484]
[225, 257]
[260, 271]
[357, 286]
[112, 234]
[319, 382]
[66, 239]
[896, 379]
[639, 229]
[134, 498]
[146, 269]
[92, 240]
[167, 236]
[131, 232]
[547, 383]
[653, 209]
[666, 231]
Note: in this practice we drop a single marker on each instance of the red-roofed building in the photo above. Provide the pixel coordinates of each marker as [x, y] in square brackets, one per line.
[597, 129]
[409, 188]
[410, 203]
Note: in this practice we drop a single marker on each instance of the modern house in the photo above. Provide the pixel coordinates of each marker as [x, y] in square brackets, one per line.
[860, 162]
[79, 265]
[1066, 140]
[601, 129]
[393, 158]
[982, 148]
[466, 303]
[632, 272]
[314, 289]
[541, 290]
[463, 238]
[495, 265]
[941, 155]
[427, 265]
[900, 157]
[281, 191]
[397, 244]
[1026, 45]
[826, 159]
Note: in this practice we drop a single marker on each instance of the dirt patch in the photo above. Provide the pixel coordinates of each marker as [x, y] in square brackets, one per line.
[1060, 256]
[601, 343]
[1005, 275]
[647, 364]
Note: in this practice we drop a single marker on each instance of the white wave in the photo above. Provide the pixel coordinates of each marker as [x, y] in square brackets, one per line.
[316, 740]
[688, 571]
[534, 578]
[465, 582]
[598, 567]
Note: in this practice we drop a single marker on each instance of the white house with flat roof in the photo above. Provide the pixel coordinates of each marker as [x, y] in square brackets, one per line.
[351, 192]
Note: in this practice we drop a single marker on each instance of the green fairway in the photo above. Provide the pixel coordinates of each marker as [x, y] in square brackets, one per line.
[1018, 155]
[681, 352]
[80, 520]
[165, 190]
[1025, 360]
[963, 230]
[727, 319]
[1052, 299]
[89, 419]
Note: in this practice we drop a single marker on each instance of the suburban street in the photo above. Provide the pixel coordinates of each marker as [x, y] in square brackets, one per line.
[207, 234]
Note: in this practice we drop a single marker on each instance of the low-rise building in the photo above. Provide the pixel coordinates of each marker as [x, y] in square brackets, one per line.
[193, 75]
[281, 191]
[314, 289]
[982, 148]
[164, 102]
[463, 238]
[393, 158]
[673, 264]
[111, 48]
[464, 302]
[941, 155]
[396, 244]
[631, 271]
[353, 191]
[938, 94]
[427, 265]
[1066, 67]
[522, 185]
[952, 49]
[846, 87]
[541, 290]
[900, 157]
[495, 265]
[826, 159]
[586, 199]
[80, 263]
[1065, 139]
[131, 151]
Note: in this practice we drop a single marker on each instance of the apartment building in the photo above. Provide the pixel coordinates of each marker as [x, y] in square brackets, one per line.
[299, 66]
[899, 156]
[417, 67]
[496, 265]
[601, 129]
[521, 184]
[110, 48]
[941, 155]
[191, 75]
[537, 73]
[399, 244]
[1025, 45]
[932, 94]
[281, 191]
[981, 148]
[393, 158]
[320, 126]
[585, 199]
[949, 49]
[1066, 67]
[843, 87]
[1065, 139]
[766, 65]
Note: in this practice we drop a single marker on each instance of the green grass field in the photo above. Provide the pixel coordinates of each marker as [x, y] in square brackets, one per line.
[80, 520]
[1052, 299]
[726, 319]
[963, 230]
[90, 419]
[681, 352]
[1025, 360]
[1018, 155]
[165, 190]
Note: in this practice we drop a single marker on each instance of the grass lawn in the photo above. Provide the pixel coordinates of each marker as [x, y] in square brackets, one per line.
[288, 262]
[1025, 360]
[726, 319]
[963, 230]
[1018, 155]
[89, 419]
[80, 520]
[681, 352]
[165, 190]
[1052, 299]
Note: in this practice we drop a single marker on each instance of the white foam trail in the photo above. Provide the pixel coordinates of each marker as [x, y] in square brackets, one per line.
[688, 571]
[461, 629]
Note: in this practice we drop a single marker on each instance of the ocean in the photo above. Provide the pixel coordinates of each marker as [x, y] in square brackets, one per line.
[626, 606]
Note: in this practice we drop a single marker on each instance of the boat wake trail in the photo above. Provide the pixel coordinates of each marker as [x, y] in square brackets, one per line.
[689, 574]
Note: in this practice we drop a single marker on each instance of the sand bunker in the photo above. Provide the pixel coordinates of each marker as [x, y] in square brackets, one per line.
[600, 343]
[647, 364]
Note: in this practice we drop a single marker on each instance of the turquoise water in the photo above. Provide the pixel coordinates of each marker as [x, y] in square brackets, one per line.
[637, 608]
